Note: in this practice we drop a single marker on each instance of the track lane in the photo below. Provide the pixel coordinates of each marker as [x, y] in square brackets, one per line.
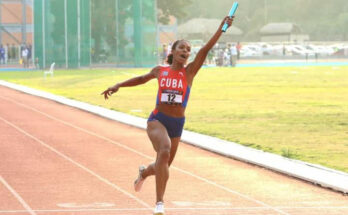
[77, 147]
[231, 174]
[46, 180]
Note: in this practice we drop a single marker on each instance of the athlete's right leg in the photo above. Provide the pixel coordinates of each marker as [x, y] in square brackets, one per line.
[150, 169]
[162, 144]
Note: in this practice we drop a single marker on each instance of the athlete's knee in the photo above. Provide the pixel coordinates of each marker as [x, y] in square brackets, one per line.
[164, 154]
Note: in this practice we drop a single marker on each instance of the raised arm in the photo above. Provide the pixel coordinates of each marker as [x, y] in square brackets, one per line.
[131, 82]
[197, 63]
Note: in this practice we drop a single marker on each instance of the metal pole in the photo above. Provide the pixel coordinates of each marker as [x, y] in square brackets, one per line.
[137, 35]
[266, 12]
[43, 35]
[24, 21]
[33, 39]
[117, 31]
[78, 34]
[157, 34]
[90, 33]
[66, 33]
[0, 23]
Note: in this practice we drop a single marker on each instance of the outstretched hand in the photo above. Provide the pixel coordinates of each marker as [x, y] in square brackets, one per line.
[111, 90]
[228, 20]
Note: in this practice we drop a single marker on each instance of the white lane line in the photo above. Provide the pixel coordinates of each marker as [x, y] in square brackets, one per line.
[18, 197]
[178, 209]
[231, 191]
[78, 164]
[146, 156]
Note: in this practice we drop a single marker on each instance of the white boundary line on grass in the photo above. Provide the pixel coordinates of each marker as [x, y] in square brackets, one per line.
[316, 174]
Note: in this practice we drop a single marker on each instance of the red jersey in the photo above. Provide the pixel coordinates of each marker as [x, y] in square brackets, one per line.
[172, 87]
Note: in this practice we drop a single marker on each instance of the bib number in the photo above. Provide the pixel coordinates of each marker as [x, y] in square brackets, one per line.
[171, 97]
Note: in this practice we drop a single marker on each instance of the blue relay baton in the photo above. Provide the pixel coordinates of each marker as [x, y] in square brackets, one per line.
[230, 14]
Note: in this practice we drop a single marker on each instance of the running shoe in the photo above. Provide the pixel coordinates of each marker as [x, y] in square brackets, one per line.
[140, 180]
[159, 209]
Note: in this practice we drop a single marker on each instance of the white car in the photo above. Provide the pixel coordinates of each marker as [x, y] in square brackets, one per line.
[250, 50]
[299, 50]
[320, 50]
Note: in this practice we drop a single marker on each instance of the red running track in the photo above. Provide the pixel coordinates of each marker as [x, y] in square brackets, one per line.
[59, 160]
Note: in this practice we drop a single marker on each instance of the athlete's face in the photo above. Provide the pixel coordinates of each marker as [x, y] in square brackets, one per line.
[182, 52]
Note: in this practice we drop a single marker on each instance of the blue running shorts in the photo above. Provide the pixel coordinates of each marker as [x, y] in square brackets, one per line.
[174, 125]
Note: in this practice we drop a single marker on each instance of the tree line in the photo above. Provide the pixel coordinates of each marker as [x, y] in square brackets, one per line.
[323, 20]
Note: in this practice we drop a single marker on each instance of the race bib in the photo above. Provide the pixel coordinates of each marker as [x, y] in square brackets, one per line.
[171, 97]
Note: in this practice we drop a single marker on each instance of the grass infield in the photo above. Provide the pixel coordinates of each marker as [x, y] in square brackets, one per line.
[297, 112]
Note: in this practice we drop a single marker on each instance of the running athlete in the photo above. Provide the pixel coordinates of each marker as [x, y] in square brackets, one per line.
[166, 122]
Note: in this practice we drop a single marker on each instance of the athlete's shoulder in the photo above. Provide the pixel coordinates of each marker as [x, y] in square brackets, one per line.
[156, 70]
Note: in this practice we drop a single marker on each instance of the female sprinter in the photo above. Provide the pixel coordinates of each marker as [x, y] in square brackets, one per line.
[166, 122]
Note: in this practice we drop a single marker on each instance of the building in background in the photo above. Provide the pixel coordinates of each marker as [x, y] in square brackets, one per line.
[282, 32]
[16, 22]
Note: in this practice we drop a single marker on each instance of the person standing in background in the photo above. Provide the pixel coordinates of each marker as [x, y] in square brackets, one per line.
[24, 54]
[6, 52]
[29, 47]
[2, 54]
[233, 54]
[239, 47]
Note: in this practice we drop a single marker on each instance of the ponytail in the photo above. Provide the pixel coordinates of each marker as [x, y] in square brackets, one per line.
[170, 59]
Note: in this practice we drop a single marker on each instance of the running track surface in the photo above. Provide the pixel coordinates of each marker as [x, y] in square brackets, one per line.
[59, 160]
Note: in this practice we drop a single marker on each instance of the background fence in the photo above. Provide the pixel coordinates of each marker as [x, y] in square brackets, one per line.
[78, 33]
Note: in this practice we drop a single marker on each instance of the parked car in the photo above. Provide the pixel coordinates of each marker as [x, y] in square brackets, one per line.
[320, 50]
[341, 51]
[250, 50]
[299, 50]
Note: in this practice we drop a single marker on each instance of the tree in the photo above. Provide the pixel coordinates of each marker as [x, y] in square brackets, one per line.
[170, 7]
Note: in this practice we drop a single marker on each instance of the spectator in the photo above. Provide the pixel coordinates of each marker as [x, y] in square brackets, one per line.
[284, 50]
[6, 52]
[29, 47]
[220, 58]
[25, 53]
[233, 54]
[2, 55]
[227, 56]
[239, 47]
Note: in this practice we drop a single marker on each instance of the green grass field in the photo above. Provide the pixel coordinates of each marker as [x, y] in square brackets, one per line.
[297, 112]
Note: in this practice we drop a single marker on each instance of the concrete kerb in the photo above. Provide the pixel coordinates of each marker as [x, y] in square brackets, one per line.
[316, 174]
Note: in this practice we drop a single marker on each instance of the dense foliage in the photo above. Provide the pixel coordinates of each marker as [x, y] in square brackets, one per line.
[321, 19]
